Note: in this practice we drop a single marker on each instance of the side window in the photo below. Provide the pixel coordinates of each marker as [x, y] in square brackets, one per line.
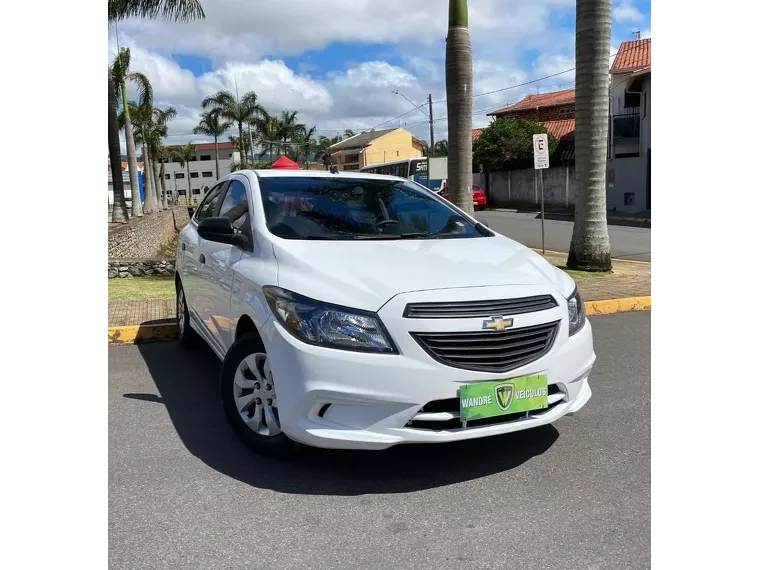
[208, 205]
[235, 205]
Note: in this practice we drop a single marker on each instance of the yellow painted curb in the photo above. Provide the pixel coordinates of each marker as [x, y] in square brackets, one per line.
[142, 333]
[611, 306]
[553, 252]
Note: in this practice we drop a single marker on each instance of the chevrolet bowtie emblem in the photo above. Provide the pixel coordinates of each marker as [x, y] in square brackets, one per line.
[497, 324]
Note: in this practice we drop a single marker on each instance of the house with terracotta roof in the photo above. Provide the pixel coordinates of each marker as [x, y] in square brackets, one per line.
[629, 172]
[554, 110]
[202, 169]
[375, 147]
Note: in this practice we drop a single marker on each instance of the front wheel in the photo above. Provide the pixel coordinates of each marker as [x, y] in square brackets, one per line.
[248, 393]
[187, 335]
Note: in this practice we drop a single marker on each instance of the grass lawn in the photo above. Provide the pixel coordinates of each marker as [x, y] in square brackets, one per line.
[574, 274]
[141, 288]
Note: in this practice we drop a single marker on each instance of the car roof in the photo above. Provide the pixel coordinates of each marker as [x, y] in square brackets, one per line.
[272, 173]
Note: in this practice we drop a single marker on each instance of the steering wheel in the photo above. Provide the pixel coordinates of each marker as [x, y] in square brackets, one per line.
[384, 223]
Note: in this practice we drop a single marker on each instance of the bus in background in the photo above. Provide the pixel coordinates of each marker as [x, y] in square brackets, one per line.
[412, 168]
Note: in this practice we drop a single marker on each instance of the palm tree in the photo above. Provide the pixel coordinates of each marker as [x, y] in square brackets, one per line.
[121, 75]
[441, 148]
[268, 128]
[119, 213]
[458, 86]
[183, 155]
[213, 125]
[590, 249]
[239, 110]
[158, 131]
[142, 117]
[348, 133]
[289, 128]
[306, 143]
[172, 10]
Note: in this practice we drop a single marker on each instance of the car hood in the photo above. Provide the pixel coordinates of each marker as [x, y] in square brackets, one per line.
[367, 274]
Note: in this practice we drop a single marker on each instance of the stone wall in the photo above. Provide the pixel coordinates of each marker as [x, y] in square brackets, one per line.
[140, 267]
[145, 237]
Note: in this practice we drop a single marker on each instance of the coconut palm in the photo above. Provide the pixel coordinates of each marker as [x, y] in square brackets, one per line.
[119, 213]
[172, 10]
[142, 119]
[122, 75]
[213, 125]
[158, 131]
[458, 86]
[241, 111]
[348, 133]
[268, 128]
[306, 144]
[590, 248]
[184, 155]
[289, 127]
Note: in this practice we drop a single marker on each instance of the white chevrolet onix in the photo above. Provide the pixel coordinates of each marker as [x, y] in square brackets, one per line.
[363, 311]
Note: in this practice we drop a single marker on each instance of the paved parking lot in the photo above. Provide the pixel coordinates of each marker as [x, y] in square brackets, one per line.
[183, 493]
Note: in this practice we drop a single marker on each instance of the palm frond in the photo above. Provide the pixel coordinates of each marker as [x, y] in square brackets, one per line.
[172, 10]
[144, 88]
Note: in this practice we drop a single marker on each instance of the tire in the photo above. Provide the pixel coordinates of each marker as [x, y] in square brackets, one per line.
[246, 386]
[187, 336]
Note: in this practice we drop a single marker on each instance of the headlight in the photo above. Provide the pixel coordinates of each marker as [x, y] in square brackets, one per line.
[318, 323]
[576, 312]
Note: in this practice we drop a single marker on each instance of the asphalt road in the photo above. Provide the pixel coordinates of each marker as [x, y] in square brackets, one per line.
[626, 242]
[183, 493]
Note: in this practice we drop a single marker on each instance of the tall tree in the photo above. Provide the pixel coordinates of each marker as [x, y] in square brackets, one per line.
[158, 131]
[306, 144]
[458, 86]
[172, 10]
[289, 128]
[268, 128]
[121, 75]
[348, 133]
[590, 249]
[142, 120]
[119, 213]
[441, 148]
[184, 155]
[241, 111]
[213, 125]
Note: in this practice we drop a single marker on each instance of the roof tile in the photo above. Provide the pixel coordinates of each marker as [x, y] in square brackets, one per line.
[542, 100]
[632, 56]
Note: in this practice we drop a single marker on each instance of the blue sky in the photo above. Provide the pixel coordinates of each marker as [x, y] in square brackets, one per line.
[338, 64]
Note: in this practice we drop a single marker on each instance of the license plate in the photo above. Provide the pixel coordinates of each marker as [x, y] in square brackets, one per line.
[489, 399]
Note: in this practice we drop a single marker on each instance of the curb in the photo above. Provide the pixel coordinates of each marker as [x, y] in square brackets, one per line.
[565, 253]
[137, 334]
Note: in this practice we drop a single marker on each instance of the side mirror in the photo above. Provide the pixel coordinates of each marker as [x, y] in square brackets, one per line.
[220, 230]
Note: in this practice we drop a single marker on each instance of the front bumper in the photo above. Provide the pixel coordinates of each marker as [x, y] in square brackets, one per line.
[348, 400]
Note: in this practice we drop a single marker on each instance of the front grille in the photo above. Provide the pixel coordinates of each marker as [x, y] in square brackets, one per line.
[485, 309]
[490, 351]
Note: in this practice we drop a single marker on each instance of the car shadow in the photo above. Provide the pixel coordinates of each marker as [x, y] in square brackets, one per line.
[187, 382]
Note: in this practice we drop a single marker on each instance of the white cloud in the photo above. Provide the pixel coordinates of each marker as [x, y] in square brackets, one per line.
[627, 12]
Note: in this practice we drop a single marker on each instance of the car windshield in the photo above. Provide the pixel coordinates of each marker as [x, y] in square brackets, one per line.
[342, 208]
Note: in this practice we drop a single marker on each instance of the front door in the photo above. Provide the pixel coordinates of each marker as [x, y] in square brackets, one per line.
[221, 260]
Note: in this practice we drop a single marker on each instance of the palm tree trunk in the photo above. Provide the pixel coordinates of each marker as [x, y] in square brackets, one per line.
[119, 213]
[189, 185]
[590, 249]
[458, 86]
[150, 205]
[216, 150]
[163, 186]
[156, 178]
[242, 145]
[131, 157]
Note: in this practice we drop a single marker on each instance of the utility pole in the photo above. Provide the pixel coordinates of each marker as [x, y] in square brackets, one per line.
[432, 132]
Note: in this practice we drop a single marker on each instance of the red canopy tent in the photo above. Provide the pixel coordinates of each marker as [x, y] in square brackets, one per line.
[284, 163]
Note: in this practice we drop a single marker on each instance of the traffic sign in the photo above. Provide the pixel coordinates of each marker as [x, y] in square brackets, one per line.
[540, 150]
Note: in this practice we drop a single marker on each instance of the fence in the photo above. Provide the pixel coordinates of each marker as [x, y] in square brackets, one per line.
[519, 188]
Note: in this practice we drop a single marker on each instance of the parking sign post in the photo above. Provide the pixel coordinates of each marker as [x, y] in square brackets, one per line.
[540, 154]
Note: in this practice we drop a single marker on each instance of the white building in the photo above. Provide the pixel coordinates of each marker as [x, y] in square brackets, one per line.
[629, 174]
[202, 169]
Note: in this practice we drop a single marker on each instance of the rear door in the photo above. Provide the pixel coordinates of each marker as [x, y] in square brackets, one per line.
[192, 248]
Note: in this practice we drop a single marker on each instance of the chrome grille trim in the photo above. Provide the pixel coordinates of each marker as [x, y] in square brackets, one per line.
[476, 309]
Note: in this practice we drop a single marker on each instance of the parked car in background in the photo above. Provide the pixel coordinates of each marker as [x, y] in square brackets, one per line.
[360, 311]
[478, 195]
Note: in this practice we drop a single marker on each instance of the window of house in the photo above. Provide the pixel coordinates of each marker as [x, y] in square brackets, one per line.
[629, 198]
[179, 175]
[207, 174]
[182, 192]
[196, 190]
[645, 104]
[168, 176]
[193, 159]
[632, 100]
[205, 157]
[193, 174]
